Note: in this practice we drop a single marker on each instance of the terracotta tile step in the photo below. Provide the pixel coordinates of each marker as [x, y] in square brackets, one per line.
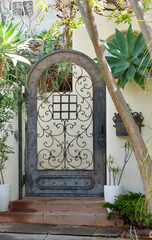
[83, 205]
[69, 218]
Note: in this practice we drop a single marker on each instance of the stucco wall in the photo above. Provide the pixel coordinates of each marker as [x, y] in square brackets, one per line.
[137, 99]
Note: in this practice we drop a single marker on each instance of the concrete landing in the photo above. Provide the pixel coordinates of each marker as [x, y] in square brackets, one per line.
[47, 237]
[22, 231]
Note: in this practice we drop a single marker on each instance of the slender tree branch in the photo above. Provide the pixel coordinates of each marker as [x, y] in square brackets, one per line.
[143, 23]
[141, 153]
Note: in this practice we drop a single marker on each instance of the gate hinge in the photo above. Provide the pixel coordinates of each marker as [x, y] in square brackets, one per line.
[23, 180]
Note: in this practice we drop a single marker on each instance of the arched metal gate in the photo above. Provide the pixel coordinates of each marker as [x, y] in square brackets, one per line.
[65, 137]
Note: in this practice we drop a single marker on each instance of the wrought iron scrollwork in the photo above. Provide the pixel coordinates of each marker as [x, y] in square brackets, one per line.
[65, 126]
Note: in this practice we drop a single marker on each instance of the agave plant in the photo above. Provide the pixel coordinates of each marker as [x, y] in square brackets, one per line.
[10, 43]
[129, 58]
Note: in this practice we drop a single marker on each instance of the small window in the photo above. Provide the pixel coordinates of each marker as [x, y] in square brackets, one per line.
[65, 109]
[25, 8]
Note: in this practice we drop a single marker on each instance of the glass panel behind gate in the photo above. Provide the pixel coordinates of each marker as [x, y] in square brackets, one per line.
[65, 121]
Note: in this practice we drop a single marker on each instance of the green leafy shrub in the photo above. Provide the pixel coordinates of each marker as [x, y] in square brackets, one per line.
[132, 208]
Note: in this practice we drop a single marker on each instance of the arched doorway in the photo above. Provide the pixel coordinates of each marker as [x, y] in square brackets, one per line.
[66, 128]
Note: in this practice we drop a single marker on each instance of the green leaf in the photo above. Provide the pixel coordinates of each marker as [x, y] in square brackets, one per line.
[140, 81]
[114, 41]
[105, 44]
[119, 70]
[6, 46]
[16, 26]
[113, 62]
[16, 58]
[143, 72]
[8, 34]
[8, 26]
[143, 62]
[131, 72]
[22, 42]
[112, 45]
[121, 42]
[116, 53]
[100, 76]
[139, 45]
[123, 79]
[119, 83]
[130, 40]
[16, 37]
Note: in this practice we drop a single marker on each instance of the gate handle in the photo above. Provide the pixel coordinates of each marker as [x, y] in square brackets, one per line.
[101, 140]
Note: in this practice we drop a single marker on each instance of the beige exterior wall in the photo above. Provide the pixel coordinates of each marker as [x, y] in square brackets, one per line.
[137, 99]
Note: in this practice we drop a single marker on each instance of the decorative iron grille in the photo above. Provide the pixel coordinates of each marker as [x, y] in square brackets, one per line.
[65, 126]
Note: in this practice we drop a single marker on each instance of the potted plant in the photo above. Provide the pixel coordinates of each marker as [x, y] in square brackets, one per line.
[113, 189]
[5, 189]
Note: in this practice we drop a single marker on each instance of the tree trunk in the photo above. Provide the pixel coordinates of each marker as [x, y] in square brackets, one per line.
[141, 153]
[143, 23]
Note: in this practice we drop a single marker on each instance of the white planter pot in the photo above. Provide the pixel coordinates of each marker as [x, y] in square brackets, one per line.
[111, 192]
[5, 191]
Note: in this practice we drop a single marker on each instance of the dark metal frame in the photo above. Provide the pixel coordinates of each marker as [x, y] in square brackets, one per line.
[74, 183]
[20, 152]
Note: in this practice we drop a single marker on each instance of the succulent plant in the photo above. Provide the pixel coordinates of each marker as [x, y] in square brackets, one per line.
[129, 58]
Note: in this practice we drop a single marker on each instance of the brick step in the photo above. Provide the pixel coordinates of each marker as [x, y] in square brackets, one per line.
[61, 205]
[61, 218]
[62, 211]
